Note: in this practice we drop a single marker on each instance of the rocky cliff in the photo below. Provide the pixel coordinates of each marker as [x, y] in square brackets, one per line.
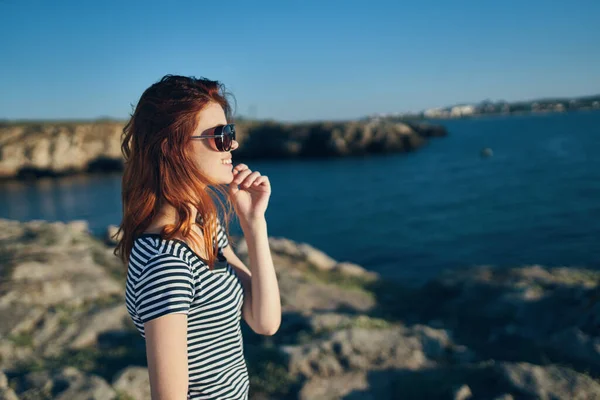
[346, 333]
[35, 149]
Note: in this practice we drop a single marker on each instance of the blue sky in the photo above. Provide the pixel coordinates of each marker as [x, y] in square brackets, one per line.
[294, 60]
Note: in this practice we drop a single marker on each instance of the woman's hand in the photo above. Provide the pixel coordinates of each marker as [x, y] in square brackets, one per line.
[250, 192]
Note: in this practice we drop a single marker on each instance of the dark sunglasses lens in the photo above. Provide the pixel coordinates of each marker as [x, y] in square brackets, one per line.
[228, 137]
[227, 142]
[219, 143]
[224, 142]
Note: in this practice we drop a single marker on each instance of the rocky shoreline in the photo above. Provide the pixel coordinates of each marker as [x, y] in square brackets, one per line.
[347, 333]
[29, 150]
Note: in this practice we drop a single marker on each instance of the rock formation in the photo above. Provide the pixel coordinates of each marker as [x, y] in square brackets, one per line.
[37, 149]
[346, 333]
[59, 148]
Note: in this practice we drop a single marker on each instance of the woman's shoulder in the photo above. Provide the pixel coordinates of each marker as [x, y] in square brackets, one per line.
[150, 248]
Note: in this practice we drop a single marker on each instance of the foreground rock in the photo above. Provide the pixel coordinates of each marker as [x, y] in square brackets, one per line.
[66, 384]
[346, 333]
[534, 312]
[134, 382]
[37, 149]
[6, 393]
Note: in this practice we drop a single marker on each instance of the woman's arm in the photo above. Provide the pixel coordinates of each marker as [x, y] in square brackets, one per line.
[163, 296]
[250, 192]
[166, 351]
[262, 304]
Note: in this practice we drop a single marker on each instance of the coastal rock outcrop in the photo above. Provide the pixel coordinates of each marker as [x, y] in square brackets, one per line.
[38, 149]
[346, 333]
[332, 139]
[34, 149]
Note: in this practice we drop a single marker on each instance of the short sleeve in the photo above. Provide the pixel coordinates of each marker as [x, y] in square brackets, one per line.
[221, 236]
[165, 286]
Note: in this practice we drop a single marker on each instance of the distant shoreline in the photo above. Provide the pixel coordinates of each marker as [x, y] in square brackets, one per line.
[487, 107]
[519, 108]
[508, 115]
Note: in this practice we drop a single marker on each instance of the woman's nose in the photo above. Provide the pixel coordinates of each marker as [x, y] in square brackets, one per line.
[234, 145]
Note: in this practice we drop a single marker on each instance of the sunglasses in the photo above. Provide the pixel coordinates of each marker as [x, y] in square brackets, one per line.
[224, 136]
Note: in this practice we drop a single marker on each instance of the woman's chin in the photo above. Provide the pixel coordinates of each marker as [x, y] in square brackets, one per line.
[226, 178]
[221, 176]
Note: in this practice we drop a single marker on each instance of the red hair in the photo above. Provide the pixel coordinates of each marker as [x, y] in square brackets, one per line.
[159, 165]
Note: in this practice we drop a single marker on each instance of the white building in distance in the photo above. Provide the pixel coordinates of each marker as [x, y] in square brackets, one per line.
[436, 113]
[460, 111]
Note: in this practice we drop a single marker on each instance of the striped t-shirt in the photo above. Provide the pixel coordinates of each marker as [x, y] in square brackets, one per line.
[167, 276]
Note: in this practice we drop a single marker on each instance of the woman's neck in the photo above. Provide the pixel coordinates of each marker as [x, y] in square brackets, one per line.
[168, 216]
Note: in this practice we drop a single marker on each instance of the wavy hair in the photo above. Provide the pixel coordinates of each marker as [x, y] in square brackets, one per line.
[159, 165]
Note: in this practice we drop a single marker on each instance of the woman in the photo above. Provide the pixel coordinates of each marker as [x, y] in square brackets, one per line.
[186, 289]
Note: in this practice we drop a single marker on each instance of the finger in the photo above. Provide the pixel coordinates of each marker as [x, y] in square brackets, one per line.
[241, 176]
[262, 181]
[239, 167]
[250, 179]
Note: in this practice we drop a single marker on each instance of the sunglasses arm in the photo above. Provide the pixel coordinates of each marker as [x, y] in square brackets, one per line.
[206, 136]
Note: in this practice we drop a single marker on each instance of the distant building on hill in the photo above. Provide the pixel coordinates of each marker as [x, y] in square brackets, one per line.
[462, 111]
[452, 112]
[436, 113]
[498, 107]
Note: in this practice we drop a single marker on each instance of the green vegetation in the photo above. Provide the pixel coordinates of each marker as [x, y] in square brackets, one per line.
[24, 339]
[102, 255]
[392, 298]
[339, 279]
[360, 321]
[123, 396]
[268, 372]
[366, 322]
[102, 303]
